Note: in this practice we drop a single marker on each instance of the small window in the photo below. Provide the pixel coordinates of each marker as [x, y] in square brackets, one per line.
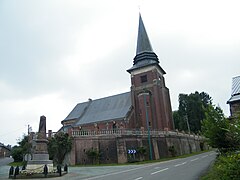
[143, 78]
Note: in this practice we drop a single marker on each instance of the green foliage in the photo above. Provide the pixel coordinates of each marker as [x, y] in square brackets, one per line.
[142, 150]
[233, 132]
[17, 154]
[221, 132]
[140, 154]
[58, 146]
[23, 148]
[172, 150]
[192, 110]
[226, 167]
[94, 155]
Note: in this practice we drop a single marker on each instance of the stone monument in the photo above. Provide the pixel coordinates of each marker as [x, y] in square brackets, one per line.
[40, 156]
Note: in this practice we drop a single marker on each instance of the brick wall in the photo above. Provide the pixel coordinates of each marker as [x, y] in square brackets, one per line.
[114, 148]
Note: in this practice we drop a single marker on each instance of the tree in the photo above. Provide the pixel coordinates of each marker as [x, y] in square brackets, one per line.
[191, 111]
[21, 149]
[17, 154]
[233, 132]
[58, 146]
[222, 133]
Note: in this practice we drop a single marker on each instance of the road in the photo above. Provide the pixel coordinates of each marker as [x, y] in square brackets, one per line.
[5, 161]
[189, 168]
[4, 168]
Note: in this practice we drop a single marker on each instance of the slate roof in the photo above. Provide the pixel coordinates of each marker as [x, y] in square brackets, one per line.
[143, 42]
[6, 147]
[144, 53]
[235, 95]
[104, 109]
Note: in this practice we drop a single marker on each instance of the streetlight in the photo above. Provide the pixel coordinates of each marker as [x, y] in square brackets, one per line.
[148, 128]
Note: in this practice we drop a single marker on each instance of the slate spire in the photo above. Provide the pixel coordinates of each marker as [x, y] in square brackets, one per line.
[144, 54]
[143, 43]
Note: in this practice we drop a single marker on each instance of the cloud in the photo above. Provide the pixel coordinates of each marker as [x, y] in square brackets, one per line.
[55, 54]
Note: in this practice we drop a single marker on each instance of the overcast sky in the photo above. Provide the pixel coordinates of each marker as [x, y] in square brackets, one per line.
[57, 53]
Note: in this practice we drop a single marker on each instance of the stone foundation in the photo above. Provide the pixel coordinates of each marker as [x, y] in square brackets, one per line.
[114, 148]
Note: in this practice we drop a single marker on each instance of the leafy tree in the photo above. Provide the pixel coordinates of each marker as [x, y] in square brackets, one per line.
[21, 149]
[191, 111]
[17, 154]
[222, 133]
[179, 121]
[58, 146]
[233, 132]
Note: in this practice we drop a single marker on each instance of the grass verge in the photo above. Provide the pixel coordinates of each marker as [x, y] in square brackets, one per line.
[14, 164]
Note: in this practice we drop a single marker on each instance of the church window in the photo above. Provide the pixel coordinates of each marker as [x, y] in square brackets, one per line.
[143, 78]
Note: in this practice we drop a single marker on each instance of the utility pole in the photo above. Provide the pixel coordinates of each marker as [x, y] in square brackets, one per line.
[187, 124]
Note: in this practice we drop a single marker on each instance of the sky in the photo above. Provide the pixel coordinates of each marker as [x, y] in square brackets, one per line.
[57, 53]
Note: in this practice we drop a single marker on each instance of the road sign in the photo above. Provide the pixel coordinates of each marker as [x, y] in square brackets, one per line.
[132, 151]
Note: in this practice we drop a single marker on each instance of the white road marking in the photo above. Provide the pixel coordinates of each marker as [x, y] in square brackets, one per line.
[138, 178]
[180, 164]
[124, 171]
[204, 156]
[159, 171]
[195, 159]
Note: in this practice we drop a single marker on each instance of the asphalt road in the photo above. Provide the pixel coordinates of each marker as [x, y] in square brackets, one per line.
[4, 168]
[189, 168]
[5, 161]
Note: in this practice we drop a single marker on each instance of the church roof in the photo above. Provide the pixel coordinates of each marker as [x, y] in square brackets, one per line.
[143, 42]
[144, 53]
[235, 95]
[109, 108]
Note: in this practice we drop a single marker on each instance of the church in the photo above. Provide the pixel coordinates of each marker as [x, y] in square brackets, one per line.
[146, 106]
[131, 126]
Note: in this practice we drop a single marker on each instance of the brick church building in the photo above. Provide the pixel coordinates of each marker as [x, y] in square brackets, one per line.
[146, 106]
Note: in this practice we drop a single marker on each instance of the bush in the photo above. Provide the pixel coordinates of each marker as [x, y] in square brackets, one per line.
[17, 154]
[172, 150]
[94, 155]
[226, 167]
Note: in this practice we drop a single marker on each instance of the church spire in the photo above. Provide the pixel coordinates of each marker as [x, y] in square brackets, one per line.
[144, 54]
[143, 43]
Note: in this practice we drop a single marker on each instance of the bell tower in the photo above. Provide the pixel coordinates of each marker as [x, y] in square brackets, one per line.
[150, 96]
